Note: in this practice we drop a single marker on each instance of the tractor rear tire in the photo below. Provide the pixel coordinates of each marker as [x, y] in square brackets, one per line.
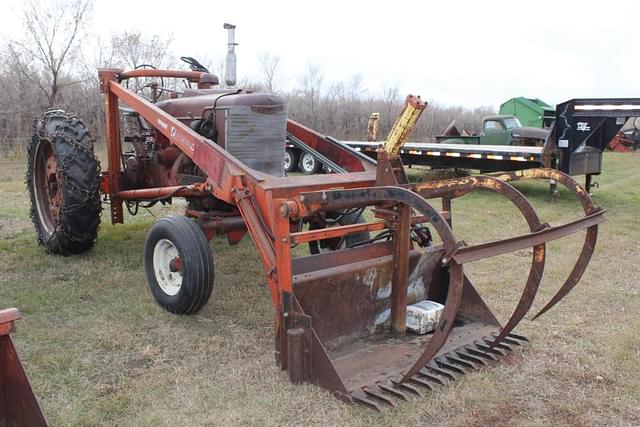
[63, 179]
[178, 265]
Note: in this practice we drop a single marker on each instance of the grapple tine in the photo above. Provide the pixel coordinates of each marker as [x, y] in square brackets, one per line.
[538, 258]
[454, 297]
[528, 294]
[578, 270]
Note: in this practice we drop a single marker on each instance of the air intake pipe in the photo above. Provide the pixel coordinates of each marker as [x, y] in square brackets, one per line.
[230, 66]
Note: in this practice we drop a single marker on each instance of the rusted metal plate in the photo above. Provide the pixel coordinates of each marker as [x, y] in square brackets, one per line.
[353, 299]
[18, 404]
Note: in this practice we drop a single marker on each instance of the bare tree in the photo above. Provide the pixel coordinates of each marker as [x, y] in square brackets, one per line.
[132, 50]
[269, 67]
[52, 30]
[311, 84]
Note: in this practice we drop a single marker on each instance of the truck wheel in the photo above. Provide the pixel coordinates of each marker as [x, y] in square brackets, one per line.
[290, 160]
[178, 265]
[63, 179]
[336, 243]
[309, 164]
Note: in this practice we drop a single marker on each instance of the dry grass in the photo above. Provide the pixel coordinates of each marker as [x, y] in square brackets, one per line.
[99, 351]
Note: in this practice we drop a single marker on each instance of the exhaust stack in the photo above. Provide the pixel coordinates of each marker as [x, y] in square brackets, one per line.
[230, 65]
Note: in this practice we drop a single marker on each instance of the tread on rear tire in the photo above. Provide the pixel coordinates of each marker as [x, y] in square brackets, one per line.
[63, 180]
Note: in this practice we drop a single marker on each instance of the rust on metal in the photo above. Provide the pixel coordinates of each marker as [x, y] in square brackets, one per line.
[18, 403]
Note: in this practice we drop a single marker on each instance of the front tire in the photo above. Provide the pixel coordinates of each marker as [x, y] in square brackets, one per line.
[63, 179]
[178, 265]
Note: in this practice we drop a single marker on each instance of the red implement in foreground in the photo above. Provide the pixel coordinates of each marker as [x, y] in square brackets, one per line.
[18, 404]
[377, 244]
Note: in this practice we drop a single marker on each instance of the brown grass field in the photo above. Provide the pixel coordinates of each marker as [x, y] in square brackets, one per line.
[99, 351]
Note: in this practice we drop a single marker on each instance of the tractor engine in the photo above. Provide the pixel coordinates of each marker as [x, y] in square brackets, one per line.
[250, 126]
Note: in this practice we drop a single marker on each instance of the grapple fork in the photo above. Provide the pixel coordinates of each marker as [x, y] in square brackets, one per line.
[345, 306]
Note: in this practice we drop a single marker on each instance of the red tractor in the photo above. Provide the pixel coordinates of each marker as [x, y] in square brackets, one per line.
[377, 245]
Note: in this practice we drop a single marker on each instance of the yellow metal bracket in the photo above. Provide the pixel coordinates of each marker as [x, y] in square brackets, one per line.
[404, 125]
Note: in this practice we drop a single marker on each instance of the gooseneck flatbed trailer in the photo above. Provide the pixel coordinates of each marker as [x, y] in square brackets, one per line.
[575, 145]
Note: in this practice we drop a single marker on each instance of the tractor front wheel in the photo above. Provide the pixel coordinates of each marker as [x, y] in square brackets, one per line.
[63, 179]
[178, 265]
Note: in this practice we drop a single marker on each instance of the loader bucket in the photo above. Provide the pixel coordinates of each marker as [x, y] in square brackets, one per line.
[343, 323]
[18, 404]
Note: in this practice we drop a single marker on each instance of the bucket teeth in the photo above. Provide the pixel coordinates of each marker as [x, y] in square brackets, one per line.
[408, 387]
[419, 380]
[378, 394]
[441, 370]
[453, 358]
[495, 350]
[480, 353]
[433, 378]
[362, 399]
[434, 368]
[443, 363]
[463, 354]
[494, 344]
[518, 337]
[393, 390]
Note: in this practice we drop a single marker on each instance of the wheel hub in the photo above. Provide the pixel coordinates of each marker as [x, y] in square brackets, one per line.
[167, 266]
[47, 186]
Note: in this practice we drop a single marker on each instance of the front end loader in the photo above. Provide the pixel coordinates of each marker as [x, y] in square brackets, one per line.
[377, 242]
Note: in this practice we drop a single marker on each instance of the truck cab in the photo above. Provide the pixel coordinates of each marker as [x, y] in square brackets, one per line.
[507, 130]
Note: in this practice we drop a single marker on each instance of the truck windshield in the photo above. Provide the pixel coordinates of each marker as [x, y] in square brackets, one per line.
[512, 122]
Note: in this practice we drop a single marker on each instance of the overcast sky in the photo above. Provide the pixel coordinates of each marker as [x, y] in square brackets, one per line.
[467, 53]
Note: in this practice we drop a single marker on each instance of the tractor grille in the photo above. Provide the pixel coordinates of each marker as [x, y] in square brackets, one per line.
[256, 136]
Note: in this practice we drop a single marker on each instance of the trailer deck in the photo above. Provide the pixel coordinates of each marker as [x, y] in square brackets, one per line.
[469, 156]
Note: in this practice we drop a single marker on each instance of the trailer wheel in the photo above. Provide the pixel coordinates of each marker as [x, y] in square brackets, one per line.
[63, 179]
[309, 164]
[178, 265]
[336, 243]
[290, 160]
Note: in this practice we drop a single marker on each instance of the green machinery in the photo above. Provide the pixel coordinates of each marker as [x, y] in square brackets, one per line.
[531, 112]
